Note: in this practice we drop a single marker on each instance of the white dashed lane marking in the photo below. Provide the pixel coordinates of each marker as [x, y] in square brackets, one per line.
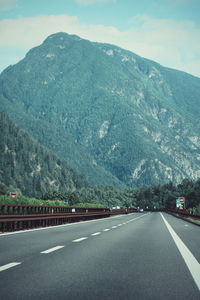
[80, 240]
[52, 249]
[8, 266]
[96, 233]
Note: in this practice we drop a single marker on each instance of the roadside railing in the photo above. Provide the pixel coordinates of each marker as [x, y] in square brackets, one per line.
[19, 217]
[184, 214]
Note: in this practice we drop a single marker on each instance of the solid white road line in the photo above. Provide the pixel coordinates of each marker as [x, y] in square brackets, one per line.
[96, 233]
[8, 266]
[190, 260]
[52, 249]
[79, 240]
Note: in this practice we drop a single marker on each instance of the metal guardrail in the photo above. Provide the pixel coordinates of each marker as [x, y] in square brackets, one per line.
[19, 217]
[183, 213]
[16, 209]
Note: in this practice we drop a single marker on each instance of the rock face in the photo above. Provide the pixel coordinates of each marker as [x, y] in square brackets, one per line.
[116, 117]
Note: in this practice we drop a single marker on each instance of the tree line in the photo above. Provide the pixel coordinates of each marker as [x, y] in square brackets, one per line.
[146, 197]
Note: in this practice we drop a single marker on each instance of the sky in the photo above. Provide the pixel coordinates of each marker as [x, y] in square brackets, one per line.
[166, 31]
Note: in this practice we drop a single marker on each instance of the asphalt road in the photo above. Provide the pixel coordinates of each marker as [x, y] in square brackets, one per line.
[138, 256]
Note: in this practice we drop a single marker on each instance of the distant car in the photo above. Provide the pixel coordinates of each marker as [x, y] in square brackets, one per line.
[141, 210]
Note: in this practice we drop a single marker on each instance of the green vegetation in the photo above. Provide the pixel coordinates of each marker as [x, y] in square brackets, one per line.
[146, 197]
[31, 167]
[126, 123]
[24, 200]
[151, 197]
[164, 196]
[118, 119]
[89, 205]
[107, 196]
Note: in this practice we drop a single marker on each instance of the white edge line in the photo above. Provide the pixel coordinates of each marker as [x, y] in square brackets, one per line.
[52, 249]
[10, 265]
[190, 260]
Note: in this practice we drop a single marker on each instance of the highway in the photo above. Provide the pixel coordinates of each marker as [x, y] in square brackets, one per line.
[151, 256]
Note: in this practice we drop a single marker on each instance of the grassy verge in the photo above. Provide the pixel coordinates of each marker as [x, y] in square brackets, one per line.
[189, 219]
[195, 221]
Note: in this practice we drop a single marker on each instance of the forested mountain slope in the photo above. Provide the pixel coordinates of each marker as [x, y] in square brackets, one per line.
[117, 118]
[29, 166]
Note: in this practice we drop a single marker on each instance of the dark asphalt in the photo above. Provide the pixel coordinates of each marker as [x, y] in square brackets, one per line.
[137, 260]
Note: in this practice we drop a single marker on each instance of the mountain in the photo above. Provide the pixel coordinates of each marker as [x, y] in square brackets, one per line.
[29, 166]
[114, 116]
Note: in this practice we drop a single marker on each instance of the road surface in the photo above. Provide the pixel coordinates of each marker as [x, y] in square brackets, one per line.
[137, 256]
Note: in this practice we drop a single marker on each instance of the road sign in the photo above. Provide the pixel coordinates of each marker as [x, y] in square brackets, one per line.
[180, 202]
[12, 194]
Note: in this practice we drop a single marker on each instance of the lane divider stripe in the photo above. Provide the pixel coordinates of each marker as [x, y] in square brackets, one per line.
[52, 249]
[79, 240]
[8, 266]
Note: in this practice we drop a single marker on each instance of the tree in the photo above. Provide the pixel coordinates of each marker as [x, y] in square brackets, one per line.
[3, 189]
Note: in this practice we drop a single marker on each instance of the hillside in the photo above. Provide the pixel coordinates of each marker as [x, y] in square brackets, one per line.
[29, 166]
[117, 118]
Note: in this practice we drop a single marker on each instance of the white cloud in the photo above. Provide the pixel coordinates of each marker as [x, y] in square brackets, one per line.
[7, 4]
[29, 32]
[172, 43]
[169, 42]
